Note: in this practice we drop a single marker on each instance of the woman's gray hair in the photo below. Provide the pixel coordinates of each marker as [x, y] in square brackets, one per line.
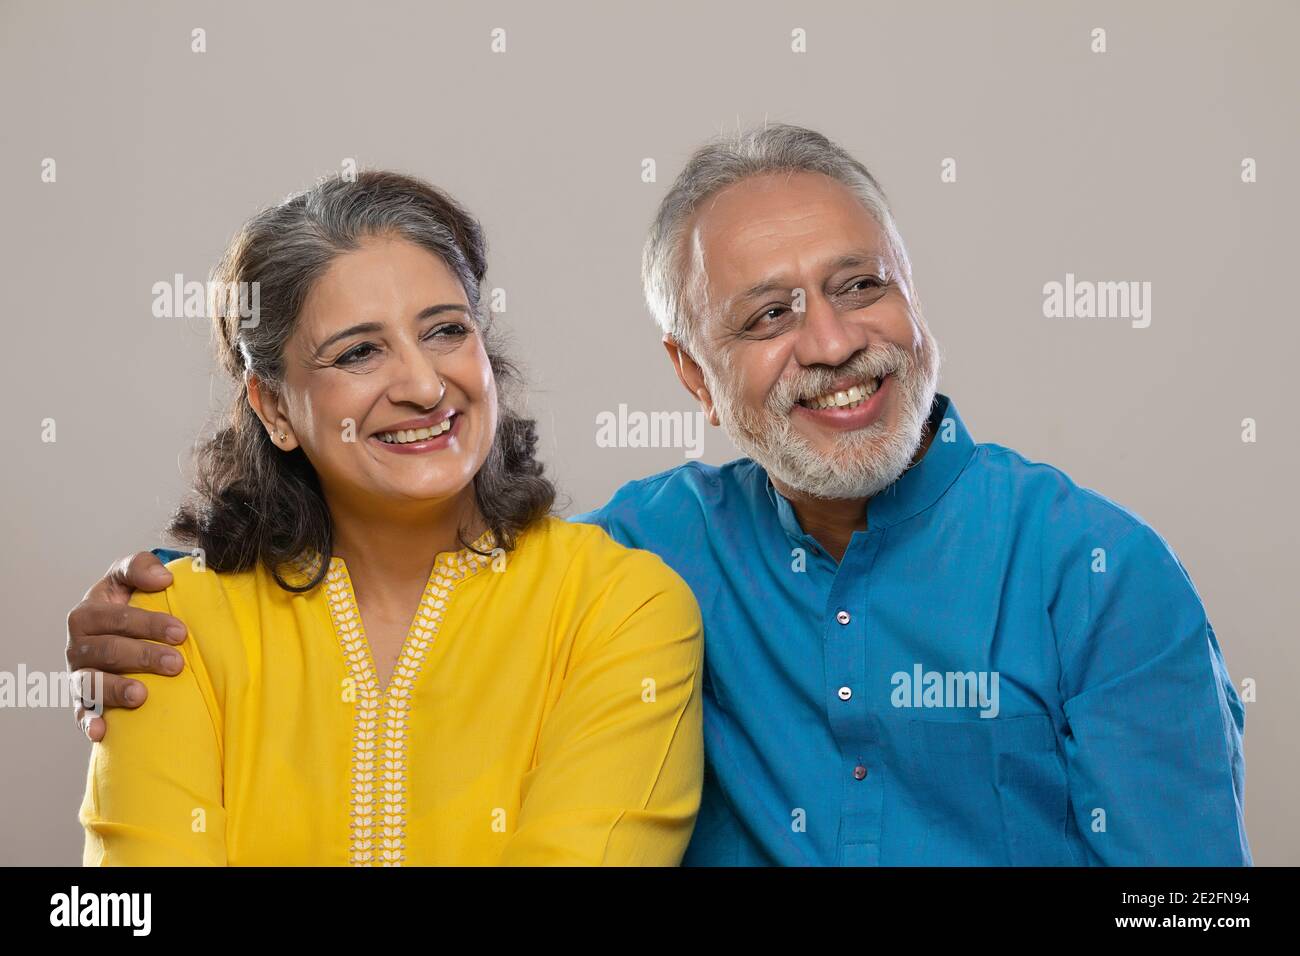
[672, 283]
[298, 239]
[254, 502]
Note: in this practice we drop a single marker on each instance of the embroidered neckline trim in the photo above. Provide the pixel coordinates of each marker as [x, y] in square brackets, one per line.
[377, 814]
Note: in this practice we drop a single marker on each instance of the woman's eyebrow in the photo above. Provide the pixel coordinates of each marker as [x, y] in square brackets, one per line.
[361, 329]
[368, 327]
[439, 309]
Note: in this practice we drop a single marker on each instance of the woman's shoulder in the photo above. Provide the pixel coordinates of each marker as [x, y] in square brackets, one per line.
[612, 598]
[589, 559]
[194, 582]
[214, 605]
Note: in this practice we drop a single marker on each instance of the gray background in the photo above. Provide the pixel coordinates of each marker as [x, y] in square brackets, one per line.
[1115, 166]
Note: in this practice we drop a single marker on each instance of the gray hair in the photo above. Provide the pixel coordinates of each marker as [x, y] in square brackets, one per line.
[287, 247]
[669, 281]
[254, 503]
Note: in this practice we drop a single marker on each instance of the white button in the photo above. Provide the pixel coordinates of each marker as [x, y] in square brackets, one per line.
[843, 617]
[845, 693]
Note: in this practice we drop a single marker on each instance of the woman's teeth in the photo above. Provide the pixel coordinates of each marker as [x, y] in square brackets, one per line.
[415, 434]
[847, 399]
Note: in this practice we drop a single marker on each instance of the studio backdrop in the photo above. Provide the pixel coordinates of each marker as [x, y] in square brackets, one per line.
[1148, 151]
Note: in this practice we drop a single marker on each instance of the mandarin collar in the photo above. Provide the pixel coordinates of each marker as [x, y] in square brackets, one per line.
[917, 488]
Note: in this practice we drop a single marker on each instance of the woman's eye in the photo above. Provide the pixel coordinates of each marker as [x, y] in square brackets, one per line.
[355, 354]
[446, 329]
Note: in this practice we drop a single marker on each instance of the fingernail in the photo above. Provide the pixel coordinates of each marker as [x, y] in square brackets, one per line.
[134, 694]
[172, 663]
[175, 632]
[160, 572]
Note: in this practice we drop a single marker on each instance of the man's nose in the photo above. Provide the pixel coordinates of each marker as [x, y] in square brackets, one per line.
[827, 337]
[415, 378]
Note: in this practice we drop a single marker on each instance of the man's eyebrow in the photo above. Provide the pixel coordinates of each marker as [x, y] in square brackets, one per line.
[365, 328]
[753, 292]
[847, 261]
[854, 259]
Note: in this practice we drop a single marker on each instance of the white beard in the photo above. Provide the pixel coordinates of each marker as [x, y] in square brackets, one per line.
[861, 463]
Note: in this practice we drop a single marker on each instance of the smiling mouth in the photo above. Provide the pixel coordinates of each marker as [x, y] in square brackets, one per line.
[851, 397]
[407, 436]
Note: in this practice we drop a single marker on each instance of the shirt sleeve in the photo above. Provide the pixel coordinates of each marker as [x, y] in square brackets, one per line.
[154, 786]
[620, 757]
[1154, 741]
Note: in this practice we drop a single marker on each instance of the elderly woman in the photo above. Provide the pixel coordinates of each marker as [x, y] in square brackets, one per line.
[397, 654]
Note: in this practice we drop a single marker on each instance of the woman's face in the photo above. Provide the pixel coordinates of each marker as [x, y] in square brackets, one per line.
[378, 336]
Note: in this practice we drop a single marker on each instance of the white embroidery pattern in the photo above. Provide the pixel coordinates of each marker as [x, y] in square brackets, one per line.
[378, 812]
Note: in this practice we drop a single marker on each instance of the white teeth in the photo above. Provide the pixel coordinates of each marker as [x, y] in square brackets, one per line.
[405, 436]
[850, 398]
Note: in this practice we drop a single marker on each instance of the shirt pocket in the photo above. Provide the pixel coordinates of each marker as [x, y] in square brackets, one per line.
[1004, 795]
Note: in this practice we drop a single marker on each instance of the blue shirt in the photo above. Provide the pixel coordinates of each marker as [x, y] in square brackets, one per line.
[1003, 669]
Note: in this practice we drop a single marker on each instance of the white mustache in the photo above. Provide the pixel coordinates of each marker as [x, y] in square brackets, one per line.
[876, 363]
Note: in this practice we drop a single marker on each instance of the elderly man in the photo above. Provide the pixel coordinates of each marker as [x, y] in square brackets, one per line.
[919, 649]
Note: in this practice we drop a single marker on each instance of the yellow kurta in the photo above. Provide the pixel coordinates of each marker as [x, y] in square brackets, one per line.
[545, 710]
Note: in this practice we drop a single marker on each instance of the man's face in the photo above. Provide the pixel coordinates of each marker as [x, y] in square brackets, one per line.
[817, 364]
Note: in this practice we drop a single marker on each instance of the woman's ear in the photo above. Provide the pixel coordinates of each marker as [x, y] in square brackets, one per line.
[265, 404]
[691, 377]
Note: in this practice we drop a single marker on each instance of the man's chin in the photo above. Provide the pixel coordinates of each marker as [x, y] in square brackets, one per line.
[839, 447]
[838, 486]
[859, 466]
[836, 465]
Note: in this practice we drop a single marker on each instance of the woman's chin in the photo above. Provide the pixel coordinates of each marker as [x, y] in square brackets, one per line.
[404, 496]
[428, 494]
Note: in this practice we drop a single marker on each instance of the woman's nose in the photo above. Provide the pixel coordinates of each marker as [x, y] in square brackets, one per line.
[415, 378]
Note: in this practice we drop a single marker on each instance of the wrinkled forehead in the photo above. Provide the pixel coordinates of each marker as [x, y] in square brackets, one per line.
[384, 279]
[788, 230]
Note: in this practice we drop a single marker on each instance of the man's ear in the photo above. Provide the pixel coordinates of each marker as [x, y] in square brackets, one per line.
[266, 406]
[688, 372]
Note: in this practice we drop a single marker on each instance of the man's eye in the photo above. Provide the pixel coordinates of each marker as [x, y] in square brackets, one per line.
[770, 313]
[355, 354]
[861, 285]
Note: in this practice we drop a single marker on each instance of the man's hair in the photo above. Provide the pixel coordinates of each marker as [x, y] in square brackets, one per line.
[671, 282]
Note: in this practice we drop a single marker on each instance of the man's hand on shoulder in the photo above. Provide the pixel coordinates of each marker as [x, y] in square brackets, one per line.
[107, 637]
